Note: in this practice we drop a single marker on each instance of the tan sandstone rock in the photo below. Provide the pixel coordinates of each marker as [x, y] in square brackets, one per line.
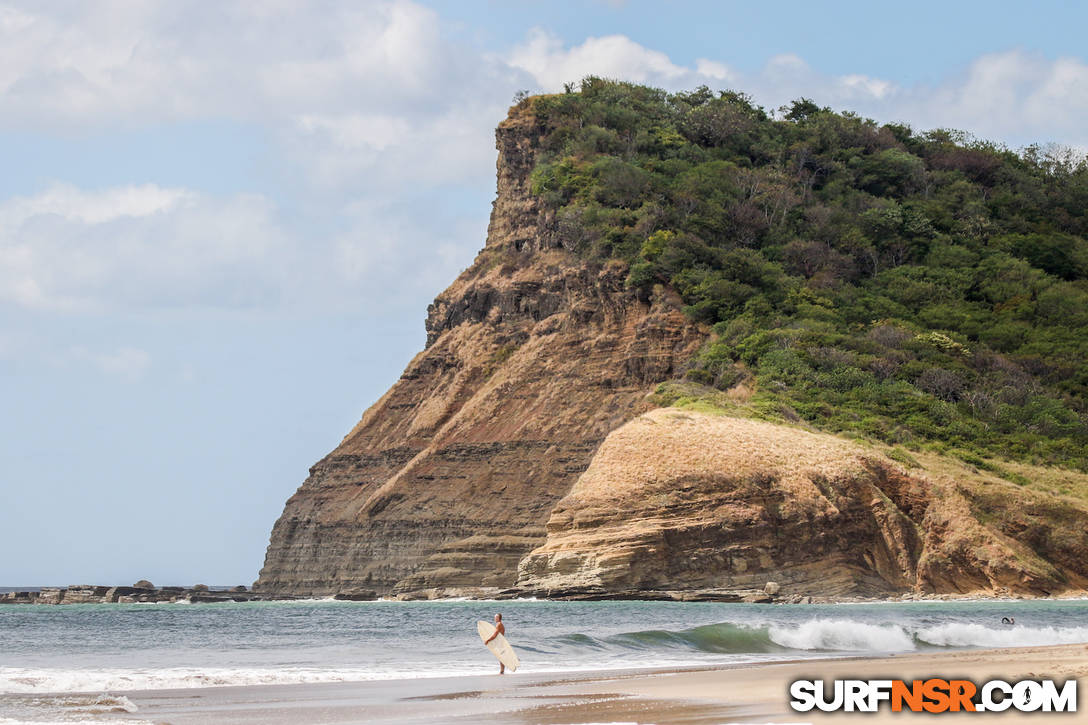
[685, 500]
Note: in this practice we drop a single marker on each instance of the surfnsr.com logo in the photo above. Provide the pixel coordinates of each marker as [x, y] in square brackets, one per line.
[933, 695]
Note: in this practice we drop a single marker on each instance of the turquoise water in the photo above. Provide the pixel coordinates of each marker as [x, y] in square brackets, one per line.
[105, 648]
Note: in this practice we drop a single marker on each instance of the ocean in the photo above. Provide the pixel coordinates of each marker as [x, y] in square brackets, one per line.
[75, 662]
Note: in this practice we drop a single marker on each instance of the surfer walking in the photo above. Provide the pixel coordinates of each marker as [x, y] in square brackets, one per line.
[500, 628]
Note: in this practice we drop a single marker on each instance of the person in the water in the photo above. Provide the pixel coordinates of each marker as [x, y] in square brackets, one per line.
[1008, 620]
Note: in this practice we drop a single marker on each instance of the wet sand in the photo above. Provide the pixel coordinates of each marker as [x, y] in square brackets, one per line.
[742, 694]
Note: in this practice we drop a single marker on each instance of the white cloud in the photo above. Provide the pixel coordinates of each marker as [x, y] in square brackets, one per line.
[107, 61]
[359, 77]
[713, 69]
[1013, 96]
[67, 248]
[359, 101]
[873, 87]
[612, 56]
[382, 250]
[358, 131]
[147, 247]
[377, 153]
[377, 118]
[125, 61]
[69, 203]
[129, 363]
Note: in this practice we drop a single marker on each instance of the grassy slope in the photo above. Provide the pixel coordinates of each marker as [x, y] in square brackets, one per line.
[742, 402]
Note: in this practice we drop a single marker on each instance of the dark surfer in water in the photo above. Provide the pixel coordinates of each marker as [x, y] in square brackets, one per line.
[1008, 620]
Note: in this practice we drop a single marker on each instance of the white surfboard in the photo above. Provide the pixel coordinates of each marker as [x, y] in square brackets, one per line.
[498, 646]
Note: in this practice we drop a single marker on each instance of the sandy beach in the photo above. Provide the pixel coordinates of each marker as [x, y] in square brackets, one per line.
[752, 694]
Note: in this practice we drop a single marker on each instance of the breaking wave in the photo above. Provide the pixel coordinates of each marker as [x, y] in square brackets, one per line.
[843, 635]
[16, 680]
[716, 638]
[117, 649]
[976, 635]
[66, 709]
[830, 636]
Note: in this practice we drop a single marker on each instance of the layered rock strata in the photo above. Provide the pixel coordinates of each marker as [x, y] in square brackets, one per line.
[532, 358]
[680, 500]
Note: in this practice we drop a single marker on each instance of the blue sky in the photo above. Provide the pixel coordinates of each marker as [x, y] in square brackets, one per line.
[221, 224]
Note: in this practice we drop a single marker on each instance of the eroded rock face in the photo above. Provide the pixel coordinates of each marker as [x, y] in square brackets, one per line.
[677, 500]
[532, 358]
[487, 465]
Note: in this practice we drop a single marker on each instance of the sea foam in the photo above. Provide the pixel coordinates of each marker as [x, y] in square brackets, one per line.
[15, 680]
[842, 635]
[977, 635]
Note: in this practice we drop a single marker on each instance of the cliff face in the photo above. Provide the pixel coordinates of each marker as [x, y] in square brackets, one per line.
[532, 358]
[520, 448]
[680, 500]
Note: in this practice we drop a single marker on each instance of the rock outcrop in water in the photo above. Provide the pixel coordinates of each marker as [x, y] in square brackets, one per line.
[137, 594]
[519, 452]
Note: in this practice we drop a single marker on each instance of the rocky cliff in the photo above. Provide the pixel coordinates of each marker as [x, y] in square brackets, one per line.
[532, 358]
[682, 500]
[521, 448]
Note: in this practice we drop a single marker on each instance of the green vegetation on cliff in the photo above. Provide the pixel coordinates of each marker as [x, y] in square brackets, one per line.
[926, 290]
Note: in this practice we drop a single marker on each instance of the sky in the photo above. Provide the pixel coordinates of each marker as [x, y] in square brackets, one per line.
[221, 223]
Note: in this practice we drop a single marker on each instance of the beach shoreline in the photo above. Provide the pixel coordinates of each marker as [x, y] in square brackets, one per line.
[742, 693]
[422, 662]
[88, 594]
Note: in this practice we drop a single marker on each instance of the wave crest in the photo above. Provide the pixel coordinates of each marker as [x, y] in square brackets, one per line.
[826, 635]
[977, 635]
[843, 635]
